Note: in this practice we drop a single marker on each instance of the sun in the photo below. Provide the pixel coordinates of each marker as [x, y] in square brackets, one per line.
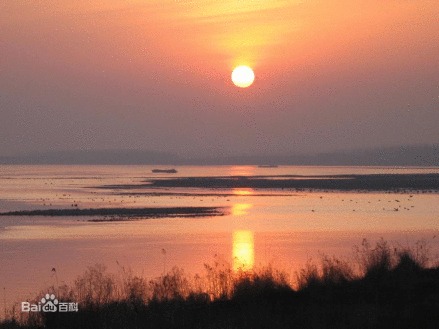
[243, 76]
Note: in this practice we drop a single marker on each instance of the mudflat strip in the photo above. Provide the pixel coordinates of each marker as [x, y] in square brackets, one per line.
[376, 182]
[123, 212]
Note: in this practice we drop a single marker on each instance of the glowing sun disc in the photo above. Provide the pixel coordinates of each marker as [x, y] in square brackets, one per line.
[243, 76]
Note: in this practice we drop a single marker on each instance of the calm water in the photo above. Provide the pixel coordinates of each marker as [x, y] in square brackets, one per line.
[280, 227]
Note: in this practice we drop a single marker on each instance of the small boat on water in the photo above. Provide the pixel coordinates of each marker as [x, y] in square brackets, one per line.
[268, 166]
[167, 171]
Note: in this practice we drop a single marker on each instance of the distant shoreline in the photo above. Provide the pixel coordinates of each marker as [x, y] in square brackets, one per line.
[405, 155]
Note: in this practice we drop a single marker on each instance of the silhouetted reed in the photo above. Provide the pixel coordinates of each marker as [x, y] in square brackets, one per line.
[382, 287]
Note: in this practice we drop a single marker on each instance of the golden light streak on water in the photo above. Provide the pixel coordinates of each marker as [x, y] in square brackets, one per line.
[243, 250]
[240, 209]
[242, 170]
[247, 191]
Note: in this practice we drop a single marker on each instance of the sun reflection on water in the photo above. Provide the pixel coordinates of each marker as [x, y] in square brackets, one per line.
[246, 191]
[243, 250]
[242, 171]
[239, 209]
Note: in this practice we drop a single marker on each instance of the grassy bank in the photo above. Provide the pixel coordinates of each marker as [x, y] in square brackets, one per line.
[381, 287]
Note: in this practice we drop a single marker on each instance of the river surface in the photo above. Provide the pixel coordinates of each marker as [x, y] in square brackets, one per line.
[281, 227]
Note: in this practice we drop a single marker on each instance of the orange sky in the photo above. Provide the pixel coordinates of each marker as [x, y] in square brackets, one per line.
[157, 75]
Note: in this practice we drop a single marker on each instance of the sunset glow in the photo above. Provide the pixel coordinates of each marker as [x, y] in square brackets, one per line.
[156, 75]
[213, 148]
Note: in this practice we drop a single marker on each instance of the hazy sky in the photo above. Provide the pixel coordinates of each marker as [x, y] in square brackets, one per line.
[155, 75]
